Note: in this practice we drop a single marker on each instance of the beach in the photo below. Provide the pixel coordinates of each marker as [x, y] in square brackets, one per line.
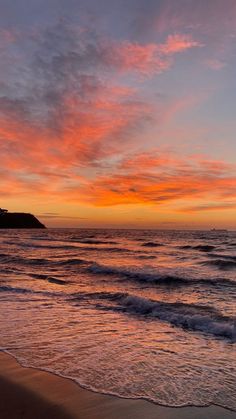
[30, 393]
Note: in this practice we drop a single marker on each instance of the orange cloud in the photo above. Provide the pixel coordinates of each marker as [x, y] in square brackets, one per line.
[165, 180]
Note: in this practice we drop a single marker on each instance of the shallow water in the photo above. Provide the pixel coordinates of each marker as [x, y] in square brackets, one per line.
[135, 313]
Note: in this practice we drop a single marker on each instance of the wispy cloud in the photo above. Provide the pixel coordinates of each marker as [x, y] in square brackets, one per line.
[209, 207]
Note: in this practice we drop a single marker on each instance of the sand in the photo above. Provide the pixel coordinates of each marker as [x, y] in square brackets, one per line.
[33, 394]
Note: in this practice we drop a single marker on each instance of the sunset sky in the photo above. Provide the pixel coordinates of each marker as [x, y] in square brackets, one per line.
[119, 113]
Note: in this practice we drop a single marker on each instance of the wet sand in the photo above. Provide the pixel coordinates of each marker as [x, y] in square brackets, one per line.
[28, 393]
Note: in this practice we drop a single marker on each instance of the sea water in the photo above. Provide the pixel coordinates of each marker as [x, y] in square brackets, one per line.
[136, 313]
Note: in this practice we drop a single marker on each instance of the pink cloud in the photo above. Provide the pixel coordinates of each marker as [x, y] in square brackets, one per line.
[179, 43]
[215, 64]
[154, 58]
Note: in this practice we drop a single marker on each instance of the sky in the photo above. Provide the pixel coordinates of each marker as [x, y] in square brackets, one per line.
[119, 113]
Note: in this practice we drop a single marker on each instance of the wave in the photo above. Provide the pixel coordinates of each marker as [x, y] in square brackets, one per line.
[93, 241]
[107, 249]
[66, 246]
[192, 317]
[134, 274]
[201, 247]
[57, 281]
[33, 261]
[7, 288]
[152, 244]
[45, 246]
[50, 279]
[9, 242]
[3, 255]
[72, 261]
[204, 247]
[157, 278]
[221, 264]
[23, 260]
[19, 290]
[73, 239]
[39, 262]
[147, 257]
[223, 256]
[99, 295]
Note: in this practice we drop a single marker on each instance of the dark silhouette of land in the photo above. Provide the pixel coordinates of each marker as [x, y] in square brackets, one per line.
[18, 220]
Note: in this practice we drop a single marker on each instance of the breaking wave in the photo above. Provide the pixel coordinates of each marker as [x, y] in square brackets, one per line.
[157, 278]
[192, 317]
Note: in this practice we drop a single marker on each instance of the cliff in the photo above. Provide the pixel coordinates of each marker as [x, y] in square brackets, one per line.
[19, 220]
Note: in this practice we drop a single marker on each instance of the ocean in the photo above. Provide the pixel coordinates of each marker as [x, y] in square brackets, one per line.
[134, 313]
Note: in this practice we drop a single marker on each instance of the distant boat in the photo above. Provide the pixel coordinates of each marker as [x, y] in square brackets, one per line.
[219, 230]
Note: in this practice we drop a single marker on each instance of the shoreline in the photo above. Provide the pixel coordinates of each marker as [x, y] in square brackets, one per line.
[30, 392]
